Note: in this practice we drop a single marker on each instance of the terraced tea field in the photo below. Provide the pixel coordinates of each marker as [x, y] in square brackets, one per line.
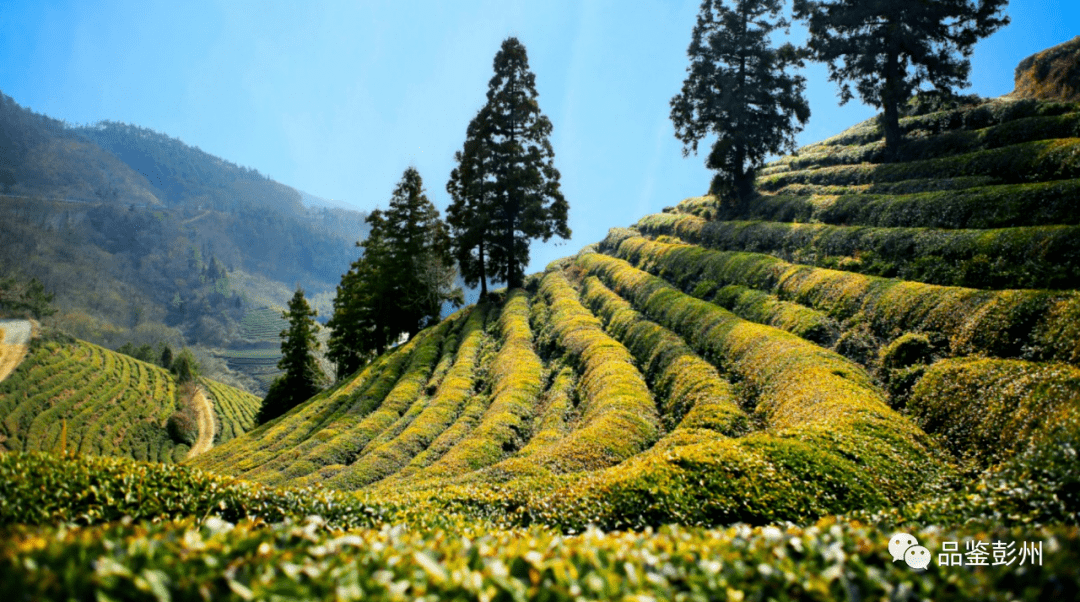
[895, 343]
[258, 357]
[90, 400]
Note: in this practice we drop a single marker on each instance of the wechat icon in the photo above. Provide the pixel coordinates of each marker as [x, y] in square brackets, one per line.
[905, 547]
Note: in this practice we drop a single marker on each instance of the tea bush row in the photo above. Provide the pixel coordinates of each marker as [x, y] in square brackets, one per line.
[308, 430]
[618, 417]
[1027, 162]
[516, 375]
[942, 144]
[104, 402]
[380, 461]
[1007, 323]
[690, 392]
[831, 442]
[983, 115]
[1039, 257]
[987, 410]
[364, 421]
[235, 409]
[996, 206]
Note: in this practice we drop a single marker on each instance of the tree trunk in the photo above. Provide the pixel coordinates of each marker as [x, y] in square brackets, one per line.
[483, 272]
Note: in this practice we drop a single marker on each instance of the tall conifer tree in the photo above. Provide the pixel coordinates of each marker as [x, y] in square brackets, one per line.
[360, 325]
[302, 373]
[513, 186]
[888, 48]
[737, 87]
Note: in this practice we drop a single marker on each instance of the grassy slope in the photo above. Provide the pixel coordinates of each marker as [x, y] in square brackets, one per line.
[708, 372]
[112, 404]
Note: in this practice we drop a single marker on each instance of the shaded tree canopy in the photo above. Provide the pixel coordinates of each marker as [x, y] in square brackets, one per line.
[505, 188]
[472, 203]
[888, 48]
[737, 87]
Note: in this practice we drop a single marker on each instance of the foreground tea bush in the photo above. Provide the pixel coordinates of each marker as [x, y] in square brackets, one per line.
[38, 489]
[830, 560]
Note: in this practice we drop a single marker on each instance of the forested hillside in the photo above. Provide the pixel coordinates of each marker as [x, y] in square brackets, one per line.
[145, 239]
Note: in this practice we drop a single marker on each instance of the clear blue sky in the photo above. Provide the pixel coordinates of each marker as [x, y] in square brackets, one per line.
[338, 98]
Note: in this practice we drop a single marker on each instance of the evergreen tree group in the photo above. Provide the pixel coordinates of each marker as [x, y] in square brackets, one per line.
[738, 87]
[504, 193]
[400, 283]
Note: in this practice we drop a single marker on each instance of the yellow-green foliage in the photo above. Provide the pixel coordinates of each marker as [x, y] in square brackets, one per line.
[1016, 131]
[555, 414]
[331, 428]
[380, 461]
[830, 559]
[923, 203]
[993, 322]
[823, 409]
[989, 409]
[691, 392]
[765, 308]
[516, 381]
[1031, 257]
[796, 381]
[1030, 161]
[989, 113]
[111, 403]
[235, 410]
[617, 416]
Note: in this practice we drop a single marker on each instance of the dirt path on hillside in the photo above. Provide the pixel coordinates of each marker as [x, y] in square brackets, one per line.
[205, 411]
[14, 343]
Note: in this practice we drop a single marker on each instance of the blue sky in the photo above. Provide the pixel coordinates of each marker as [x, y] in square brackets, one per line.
[338, 98]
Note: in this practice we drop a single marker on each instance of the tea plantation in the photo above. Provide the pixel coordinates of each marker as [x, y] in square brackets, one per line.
[720, 402]
[78, 397]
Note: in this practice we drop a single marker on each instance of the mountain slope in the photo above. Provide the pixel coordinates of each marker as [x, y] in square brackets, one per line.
[718, 363]
[147, 240]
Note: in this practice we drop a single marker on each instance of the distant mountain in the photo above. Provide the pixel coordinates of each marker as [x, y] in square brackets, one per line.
[144, 238]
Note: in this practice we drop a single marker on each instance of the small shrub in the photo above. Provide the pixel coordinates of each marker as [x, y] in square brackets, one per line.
[906, 350]
[183, 426]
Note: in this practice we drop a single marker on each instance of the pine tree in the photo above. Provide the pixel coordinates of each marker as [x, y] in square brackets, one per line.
[302, 373]
[419, 258]
[515, 169]
[360, 324]
[889, 48]
[737, 87]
